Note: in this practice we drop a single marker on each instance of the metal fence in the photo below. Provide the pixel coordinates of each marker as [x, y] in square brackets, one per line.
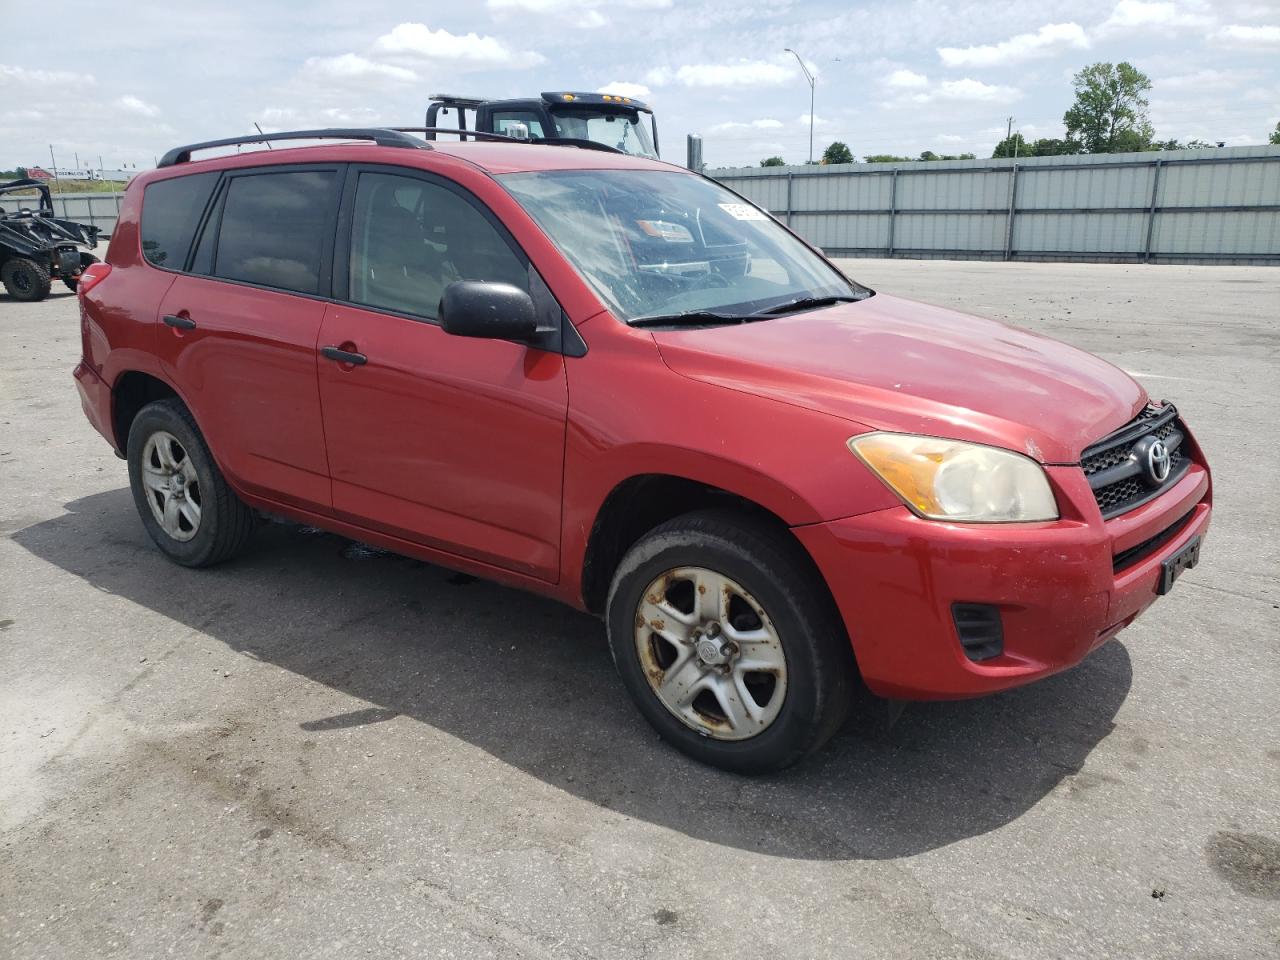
[96, 209]
[1201, 206]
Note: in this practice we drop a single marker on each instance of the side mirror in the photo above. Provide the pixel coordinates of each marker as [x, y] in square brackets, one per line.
[494, 311]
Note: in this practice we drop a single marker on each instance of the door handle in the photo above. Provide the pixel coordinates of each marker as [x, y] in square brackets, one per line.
[180, 323]
[343, 356]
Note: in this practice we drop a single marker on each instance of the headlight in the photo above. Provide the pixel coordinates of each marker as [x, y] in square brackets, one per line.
[953, 480]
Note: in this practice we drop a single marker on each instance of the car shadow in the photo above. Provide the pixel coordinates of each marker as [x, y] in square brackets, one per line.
[531, 682]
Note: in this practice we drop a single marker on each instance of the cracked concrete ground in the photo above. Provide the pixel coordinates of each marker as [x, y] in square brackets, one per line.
[316, 751]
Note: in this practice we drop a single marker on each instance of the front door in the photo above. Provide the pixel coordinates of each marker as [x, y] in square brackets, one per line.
[451, 442]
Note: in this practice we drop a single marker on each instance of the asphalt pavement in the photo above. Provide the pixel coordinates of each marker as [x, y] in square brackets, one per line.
[321, 750]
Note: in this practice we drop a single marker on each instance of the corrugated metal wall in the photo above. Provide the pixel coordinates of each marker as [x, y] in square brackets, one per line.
[95, 209]
[1185, 206]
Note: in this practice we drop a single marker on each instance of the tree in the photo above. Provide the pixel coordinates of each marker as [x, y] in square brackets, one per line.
[1189, 145]
[1012, 146]
[1110, 111]
[837, 153]
[773, 162]
[886, 158]
[1275, 134]
[1051, 147]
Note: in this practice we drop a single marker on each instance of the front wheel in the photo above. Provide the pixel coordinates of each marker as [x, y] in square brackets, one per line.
[187, 507]
[728, 642]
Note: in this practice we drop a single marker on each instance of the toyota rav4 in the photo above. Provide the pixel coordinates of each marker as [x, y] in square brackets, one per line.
[616, 383]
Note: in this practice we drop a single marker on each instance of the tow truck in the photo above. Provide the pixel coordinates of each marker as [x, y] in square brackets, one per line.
[619, 123]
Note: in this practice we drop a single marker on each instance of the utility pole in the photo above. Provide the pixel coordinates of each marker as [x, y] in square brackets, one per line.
[1008, 133]
[808, 76]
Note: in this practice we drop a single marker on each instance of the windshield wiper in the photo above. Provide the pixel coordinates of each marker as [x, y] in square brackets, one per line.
[805, 303]
[692, 318]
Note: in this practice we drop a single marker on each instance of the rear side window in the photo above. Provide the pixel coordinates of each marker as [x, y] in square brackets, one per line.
[171, 211]
[273, 229]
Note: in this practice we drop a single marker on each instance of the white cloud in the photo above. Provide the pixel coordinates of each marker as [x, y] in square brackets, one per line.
[1151, 14]
[1264, 37]
[562, 6]
[584, 14]
[1207, 79]
[292, 118]
[967, 89]
[620, 88]
[906, 80]
[818, 122]
[352, 66]
[739, 73]
[14, 76]
[418, 42]
[766, 123]
[1048, 40]
[132, 104]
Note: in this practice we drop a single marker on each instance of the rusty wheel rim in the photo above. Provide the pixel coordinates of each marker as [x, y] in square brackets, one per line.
[711, 653]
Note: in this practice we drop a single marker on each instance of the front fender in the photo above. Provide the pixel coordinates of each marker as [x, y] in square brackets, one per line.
[791, 461]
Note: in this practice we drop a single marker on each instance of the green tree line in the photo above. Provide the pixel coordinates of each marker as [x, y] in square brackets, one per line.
[1107, 115]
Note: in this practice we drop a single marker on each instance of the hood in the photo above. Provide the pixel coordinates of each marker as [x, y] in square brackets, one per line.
[894, 364]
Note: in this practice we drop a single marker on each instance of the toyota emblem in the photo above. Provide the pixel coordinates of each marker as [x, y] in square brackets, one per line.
[1158, 462]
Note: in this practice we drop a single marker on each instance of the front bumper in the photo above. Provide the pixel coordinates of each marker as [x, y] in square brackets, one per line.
[1058, 588]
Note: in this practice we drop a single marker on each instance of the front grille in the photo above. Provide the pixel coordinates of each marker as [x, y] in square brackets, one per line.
[1118, 479]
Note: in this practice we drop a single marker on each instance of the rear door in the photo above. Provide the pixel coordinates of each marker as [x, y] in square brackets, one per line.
[451, 442]
[242, 322]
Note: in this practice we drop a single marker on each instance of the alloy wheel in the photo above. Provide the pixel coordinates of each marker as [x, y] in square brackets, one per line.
[172, 485]
[711, 653]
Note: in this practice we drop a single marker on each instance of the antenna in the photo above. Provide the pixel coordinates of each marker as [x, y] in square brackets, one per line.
[259, 129]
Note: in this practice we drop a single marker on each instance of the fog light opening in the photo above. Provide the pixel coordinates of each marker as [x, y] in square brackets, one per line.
[980, 630]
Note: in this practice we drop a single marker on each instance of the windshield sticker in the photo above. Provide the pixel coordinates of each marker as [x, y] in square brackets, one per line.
[743, 211]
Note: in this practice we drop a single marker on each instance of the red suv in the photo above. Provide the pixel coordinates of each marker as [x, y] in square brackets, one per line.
[616, 383]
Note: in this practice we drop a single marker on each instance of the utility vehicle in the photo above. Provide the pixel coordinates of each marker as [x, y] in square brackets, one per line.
[37, 247]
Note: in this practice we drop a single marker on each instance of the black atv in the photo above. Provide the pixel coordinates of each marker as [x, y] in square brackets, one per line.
[35, 246]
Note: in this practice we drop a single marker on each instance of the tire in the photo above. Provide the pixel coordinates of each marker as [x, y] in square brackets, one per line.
[199, 521]
[781, 601]
[25, 280]
[86, 260]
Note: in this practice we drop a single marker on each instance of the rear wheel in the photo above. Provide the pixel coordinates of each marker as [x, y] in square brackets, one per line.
[728, 642]
[25, 279]
[185, 504]
[86, 260]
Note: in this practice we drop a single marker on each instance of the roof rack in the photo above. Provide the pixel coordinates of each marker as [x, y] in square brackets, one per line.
[477, 134]
[539, 141]
[381, 137]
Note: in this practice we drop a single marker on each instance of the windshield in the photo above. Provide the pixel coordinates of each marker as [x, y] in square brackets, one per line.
[622, 130]
[656, 243]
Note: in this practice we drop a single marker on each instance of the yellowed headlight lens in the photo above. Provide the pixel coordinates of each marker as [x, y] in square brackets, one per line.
[954, 480]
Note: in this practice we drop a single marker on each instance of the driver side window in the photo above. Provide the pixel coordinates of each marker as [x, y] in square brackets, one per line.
[410, 239]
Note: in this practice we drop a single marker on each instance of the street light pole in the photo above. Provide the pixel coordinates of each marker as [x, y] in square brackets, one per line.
[808, 76]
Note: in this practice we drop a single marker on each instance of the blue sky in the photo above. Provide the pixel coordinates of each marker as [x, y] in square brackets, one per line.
[130, 80]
